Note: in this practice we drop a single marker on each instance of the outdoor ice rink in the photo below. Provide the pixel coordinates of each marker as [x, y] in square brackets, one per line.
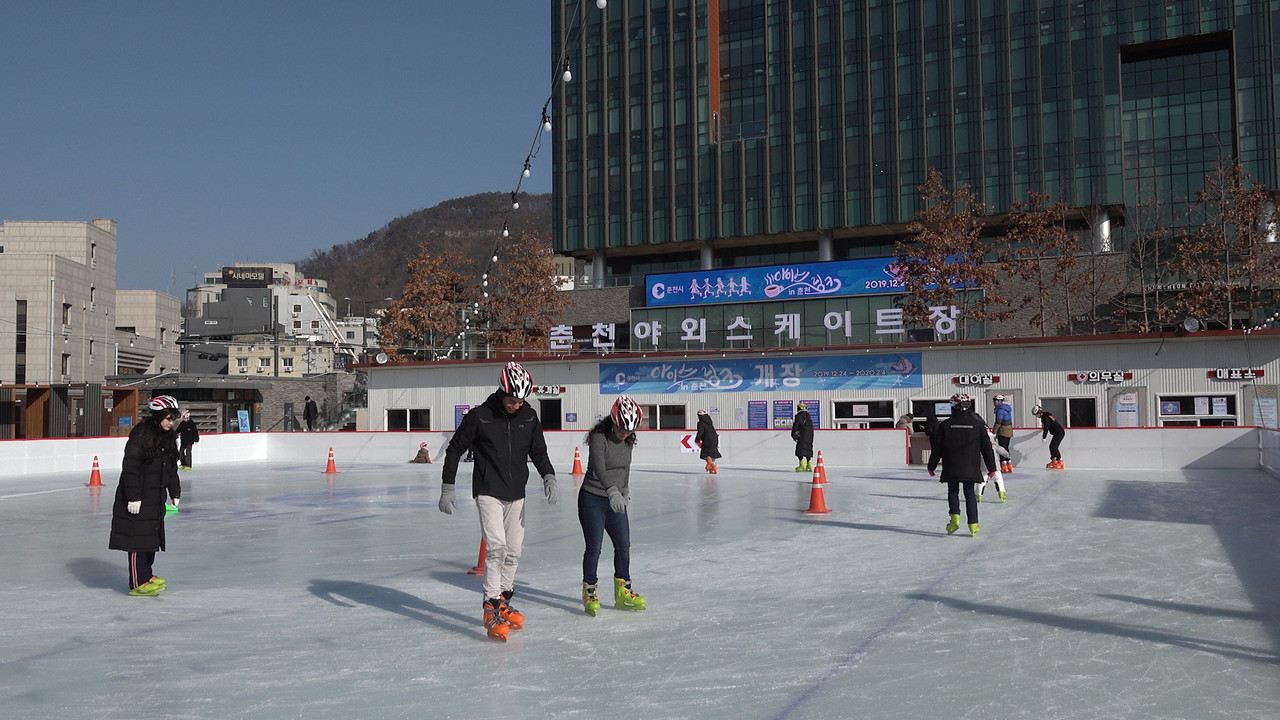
[293, 594]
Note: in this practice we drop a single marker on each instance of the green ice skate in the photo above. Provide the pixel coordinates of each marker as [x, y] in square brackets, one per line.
[590, 599]
[624, 598]
[1003, 496]
[954, 524]
[973, 528]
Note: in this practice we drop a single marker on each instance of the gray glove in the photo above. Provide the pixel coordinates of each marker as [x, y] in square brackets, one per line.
[617, 502]
[134, 507]
[549, 489]
[448, 500]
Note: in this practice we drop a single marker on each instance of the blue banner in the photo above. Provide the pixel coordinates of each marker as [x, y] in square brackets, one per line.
[789, 374]
[775, 282]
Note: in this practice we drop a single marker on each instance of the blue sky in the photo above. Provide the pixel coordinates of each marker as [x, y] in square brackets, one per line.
[232, 131]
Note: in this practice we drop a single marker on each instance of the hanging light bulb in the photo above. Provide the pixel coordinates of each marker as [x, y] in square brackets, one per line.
[494, 258]
[568, 76]
[602, 4]
[526, 167]
[486, 294]
[546, 121]
[505, 232]
[485, 283]
[515, 203]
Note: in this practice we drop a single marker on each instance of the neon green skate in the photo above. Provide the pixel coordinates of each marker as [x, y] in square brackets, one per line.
[624, 598]
[954, 524]
[974, 528]
[590, 599]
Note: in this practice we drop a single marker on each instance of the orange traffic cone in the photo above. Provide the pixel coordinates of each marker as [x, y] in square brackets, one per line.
[817, 503]
[577, 463]
[330, 469]
[479, 568]
[95, 477]
[820, 471]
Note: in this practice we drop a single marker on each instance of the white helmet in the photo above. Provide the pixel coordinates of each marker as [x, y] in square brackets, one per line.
[162, 402]
[626, 413]
[516, 381]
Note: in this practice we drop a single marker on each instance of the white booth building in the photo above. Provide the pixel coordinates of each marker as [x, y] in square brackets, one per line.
[1226, 378]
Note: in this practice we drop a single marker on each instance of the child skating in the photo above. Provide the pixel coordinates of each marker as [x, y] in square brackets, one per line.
[708, 441]
[998, 476]
[148, 474]
[1050, 426]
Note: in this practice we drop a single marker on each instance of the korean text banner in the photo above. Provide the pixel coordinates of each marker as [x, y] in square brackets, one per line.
[845, 372]
[776, 282]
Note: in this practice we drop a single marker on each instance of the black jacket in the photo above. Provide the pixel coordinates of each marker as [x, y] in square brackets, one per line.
[707, 438]
[802, 433]
[503, 446]
[1050, 426]
[187, 433]
[150, 471]
[962, 445]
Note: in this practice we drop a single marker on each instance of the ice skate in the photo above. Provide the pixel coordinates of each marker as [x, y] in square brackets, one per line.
[713, 469]
[590, 599]
[974, 528]
[1003, 496]
[1006, 467]
[624, 598]
[493, 622]
[1050, 464]
[954, 524]
[157, 582]
[800, 467]
[509, 614]
[1057, 465]
[146, 589]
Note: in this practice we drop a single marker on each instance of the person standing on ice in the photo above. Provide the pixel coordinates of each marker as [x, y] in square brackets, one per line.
[960, 443]
[1050, 426]
[802, 433]
[149, 472]
[505, 434]
[708, 441]
[997, 477]
[602, 504]
[1003, 428]
[188, 435]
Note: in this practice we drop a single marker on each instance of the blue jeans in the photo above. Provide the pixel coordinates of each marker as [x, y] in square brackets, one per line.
[597, 518]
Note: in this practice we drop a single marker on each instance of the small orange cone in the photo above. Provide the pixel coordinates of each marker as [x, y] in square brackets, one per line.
[817, 503]
[577, 463]
[330, 469]
[479, 568]
[95, 477]
[820, 471]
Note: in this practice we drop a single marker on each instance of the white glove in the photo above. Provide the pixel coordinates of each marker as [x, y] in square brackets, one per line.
[174, 503]
[135, 507]
[550, 489]
[448, 501]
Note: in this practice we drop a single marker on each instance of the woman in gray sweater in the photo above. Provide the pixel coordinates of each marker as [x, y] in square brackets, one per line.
[602, 503]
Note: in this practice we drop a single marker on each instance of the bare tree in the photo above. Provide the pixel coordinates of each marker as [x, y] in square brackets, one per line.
[1039, 245]
[1095, 279]
[523, 298]
[1229, 269]
[427, 316]
[1146, 305]
[942, 262]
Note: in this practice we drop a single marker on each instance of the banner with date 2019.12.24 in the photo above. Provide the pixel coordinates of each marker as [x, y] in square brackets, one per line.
[763, 374]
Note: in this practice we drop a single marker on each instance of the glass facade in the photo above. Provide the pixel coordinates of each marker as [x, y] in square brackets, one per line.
[750, 125]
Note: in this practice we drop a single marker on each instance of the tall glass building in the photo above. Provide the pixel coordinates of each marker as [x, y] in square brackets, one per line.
[700, 134]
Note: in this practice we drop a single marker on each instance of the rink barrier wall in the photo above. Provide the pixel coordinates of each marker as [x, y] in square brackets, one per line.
[1126, 448]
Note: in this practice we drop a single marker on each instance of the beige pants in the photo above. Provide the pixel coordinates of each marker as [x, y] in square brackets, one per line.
[502, 527]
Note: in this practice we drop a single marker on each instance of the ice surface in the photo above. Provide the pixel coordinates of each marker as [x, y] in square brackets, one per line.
[293, 594]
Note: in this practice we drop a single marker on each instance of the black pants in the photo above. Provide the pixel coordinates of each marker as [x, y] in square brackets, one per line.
[1004, 443]
[1054, 453]
[140, 572]
[184, 456]
[970, 500]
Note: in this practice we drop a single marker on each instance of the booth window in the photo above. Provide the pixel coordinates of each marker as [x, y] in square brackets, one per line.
[663, 417]
[410, 419]
[863, 414]
[1197, 410]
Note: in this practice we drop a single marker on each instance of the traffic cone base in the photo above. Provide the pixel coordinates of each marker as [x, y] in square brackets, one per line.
[577, 463]
[479, 568]
[95, 477]
[331, 469]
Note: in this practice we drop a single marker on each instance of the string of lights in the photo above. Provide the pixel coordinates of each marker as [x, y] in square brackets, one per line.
[560, 73]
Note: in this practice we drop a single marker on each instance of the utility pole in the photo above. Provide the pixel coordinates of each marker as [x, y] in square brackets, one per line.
[275, 334]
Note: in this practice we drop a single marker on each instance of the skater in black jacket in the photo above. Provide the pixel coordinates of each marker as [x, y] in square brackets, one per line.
[960, 443]
[802, 433]
[708, 440]
[1050, 426]
[188, 435]
[149, 473]
[505, 434]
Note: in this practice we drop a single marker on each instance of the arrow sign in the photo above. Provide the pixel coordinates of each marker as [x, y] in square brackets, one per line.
[687, 445]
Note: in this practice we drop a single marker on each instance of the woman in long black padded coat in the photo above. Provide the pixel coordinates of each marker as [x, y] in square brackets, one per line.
[708, 441]
[149, 472]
